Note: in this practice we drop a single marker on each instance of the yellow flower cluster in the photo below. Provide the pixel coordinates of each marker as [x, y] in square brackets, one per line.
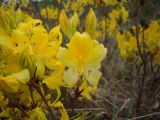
[148, 38]
[74, 6]
[81, 61]
[152, 39]
[117, 17]
[78, 56]
[33, 63]
[126, 44]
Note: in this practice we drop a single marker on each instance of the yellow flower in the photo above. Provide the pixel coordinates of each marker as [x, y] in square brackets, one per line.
[126, 43]
[117, 17]
[83, 53]
[112, 26]
[152, 36]
[75, 6]
[50, 12]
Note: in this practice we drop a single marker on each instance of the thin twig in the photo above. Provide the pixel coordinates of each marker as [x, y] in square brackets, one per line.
[148, 115]
[37, 87]
[83, 109]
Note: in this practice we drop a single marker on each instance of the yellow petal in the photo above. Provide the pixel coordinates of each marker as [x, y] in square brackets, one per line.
[79, 54]
[23, 77]
[93, 77]
[9, 84]
[39, 39]
[70, 77]
[19, 40]
[55, 35]
[54, 81]
[55, 38]
[80, 46]
[94, 60]
[65, 57]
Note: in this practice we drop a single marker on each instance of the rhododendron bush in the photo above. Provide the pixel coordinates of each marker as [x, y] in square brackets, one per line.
[53, 62]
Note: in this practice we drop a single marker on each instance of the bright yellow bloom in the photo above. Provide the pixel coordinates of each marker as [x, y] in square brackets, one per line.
[82, 53]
